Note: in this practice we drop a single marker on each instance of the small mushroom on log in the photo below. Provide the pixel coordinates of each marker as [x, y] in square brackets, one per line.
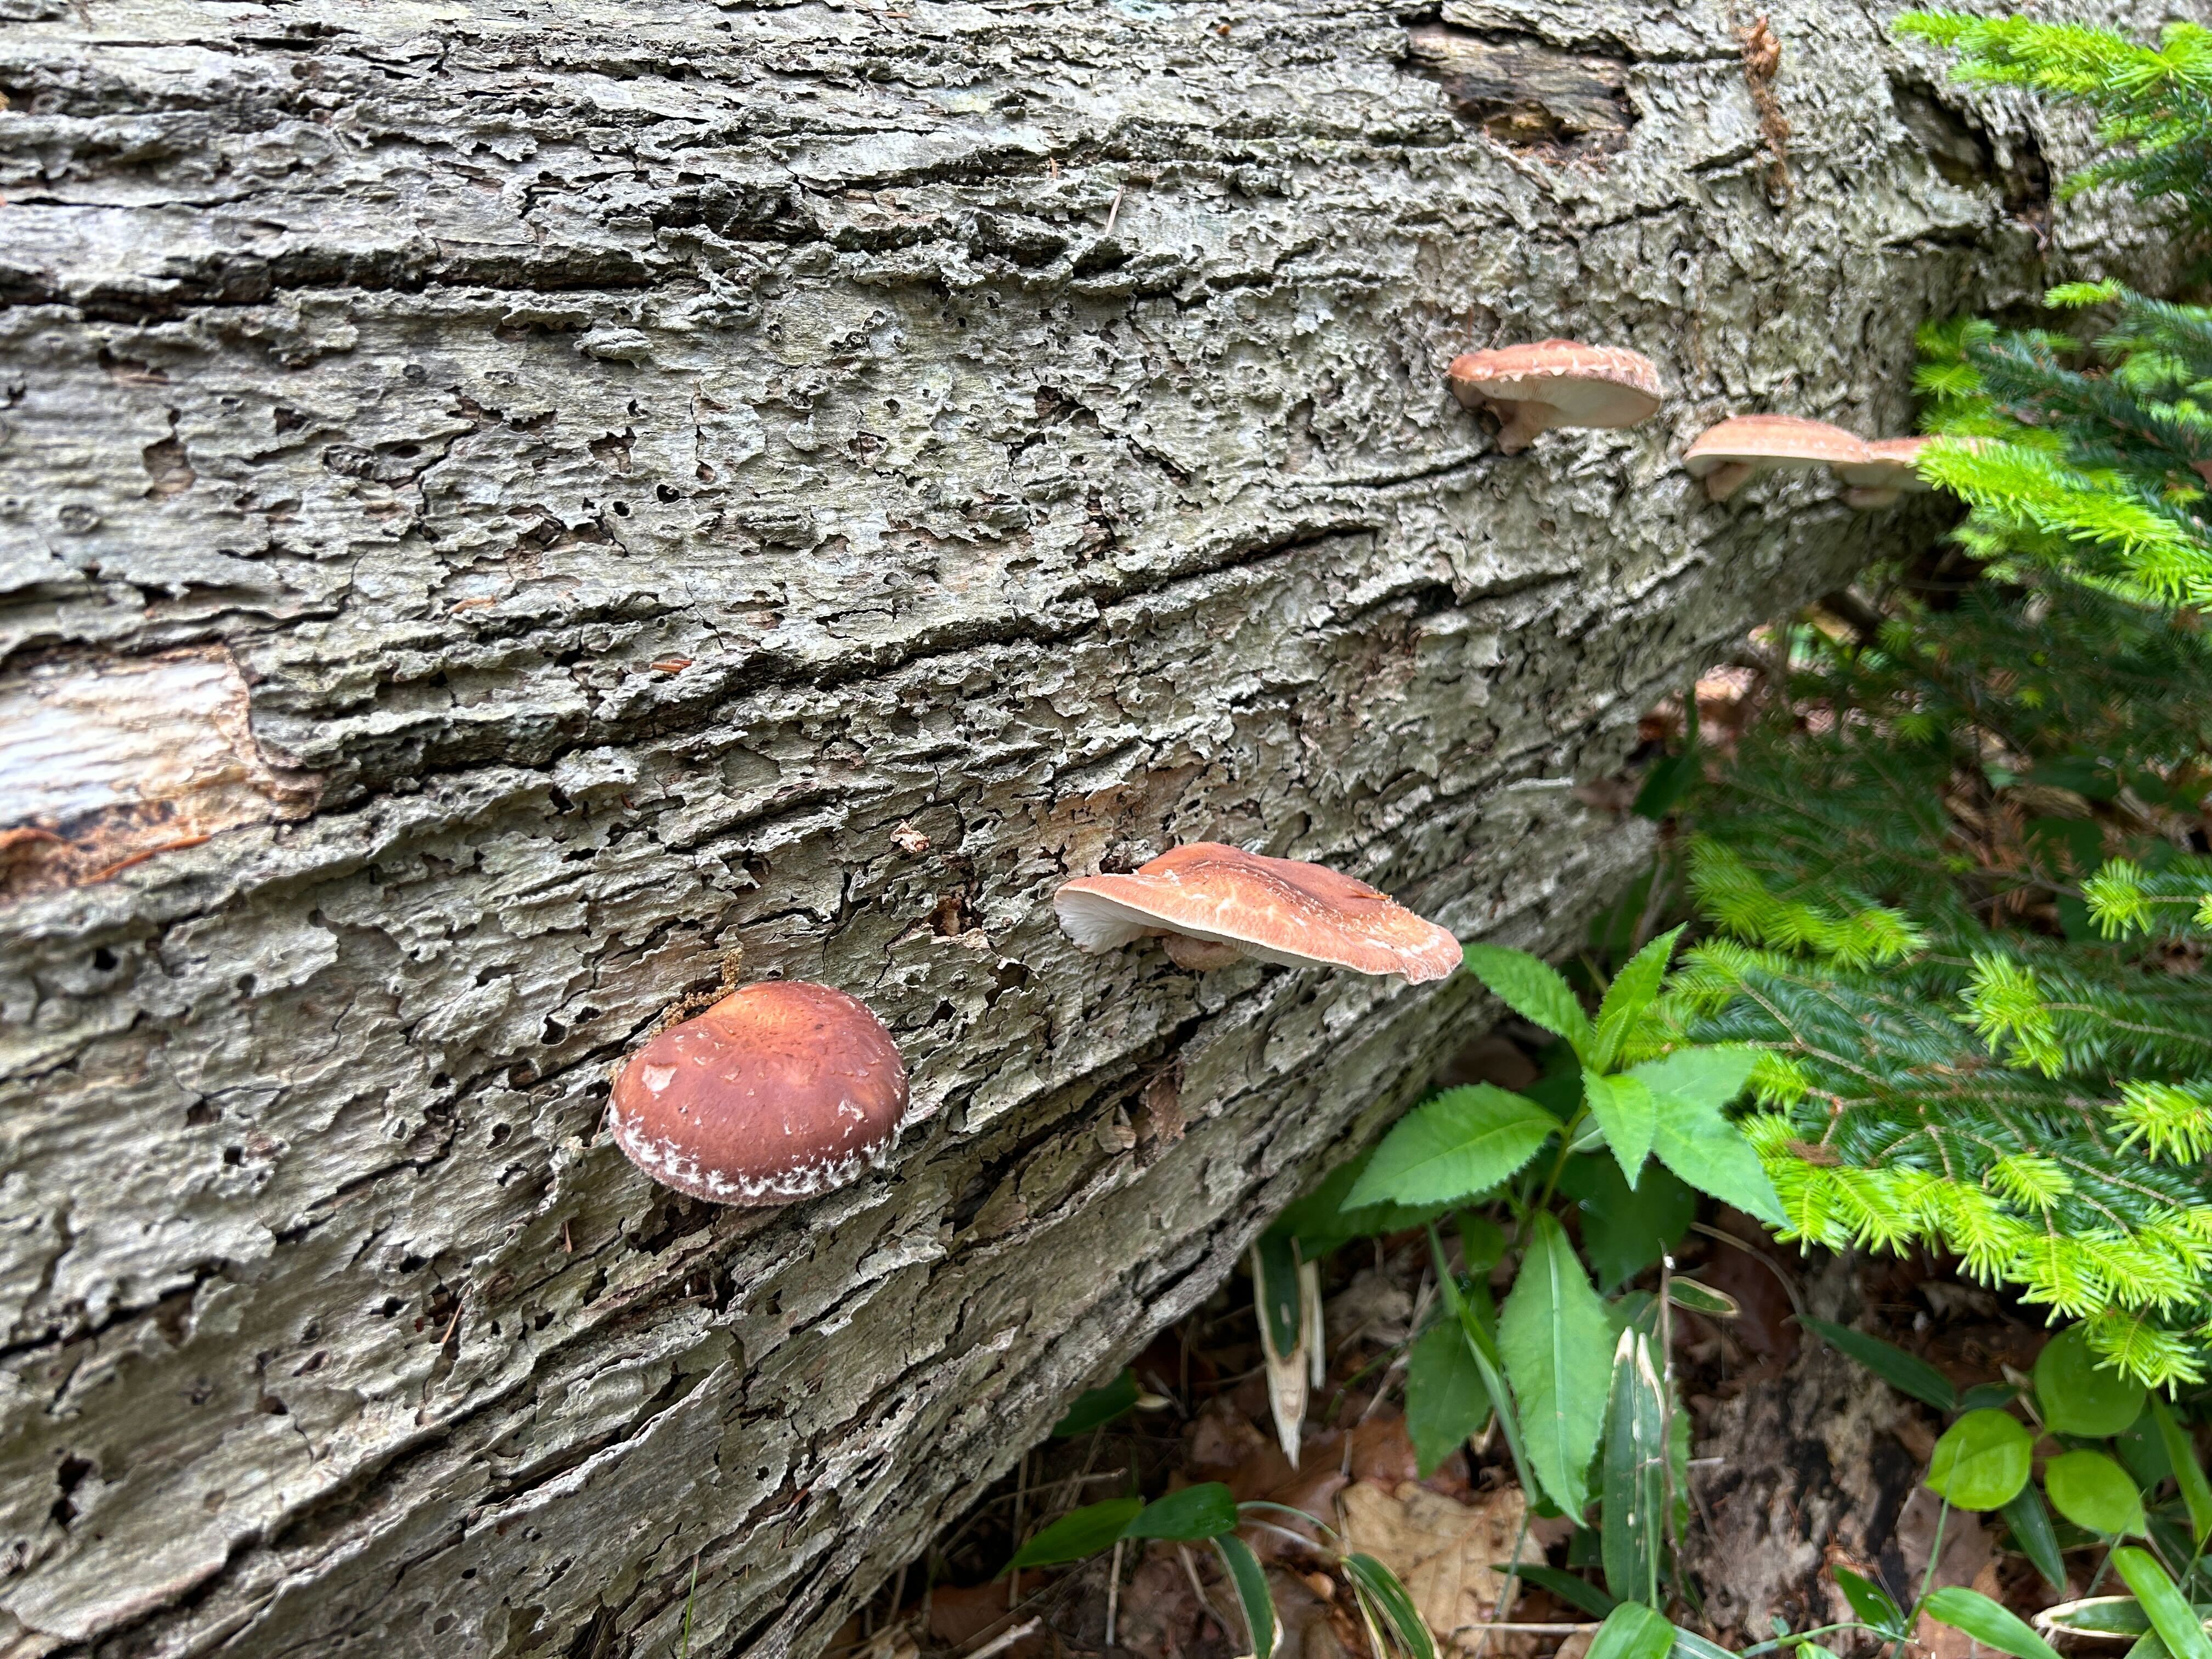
[1533, 388]
[1212, 905]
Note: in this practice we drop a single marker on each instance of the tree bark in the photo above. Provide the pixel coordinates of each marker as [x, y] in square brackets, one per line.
[505, 502]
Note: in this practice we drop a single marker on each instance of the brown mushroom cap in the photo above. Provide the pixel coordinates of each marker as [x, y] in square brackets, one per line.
[780, 1091]
[1729, 454]
[1230, 902]
[1888, 465]
[1570, 384]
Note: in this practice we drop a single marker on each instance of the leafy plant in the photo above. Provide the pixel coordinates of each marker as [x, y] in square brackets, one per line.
[1629, 1123]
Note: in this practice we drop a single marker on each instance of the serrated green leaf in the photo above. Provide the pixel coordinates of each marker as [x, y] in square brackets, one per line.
[1708, 1075]
[1626, 1229]
[1633, 990]
[1079, 1534]
[1552, 1324]
[1627, 1114]
[1987, 1622]
[1532, 989]
[1454, 1146]
[1981, 1460]
[1259, 1608]
[1445, 1400]
[1702, 1147]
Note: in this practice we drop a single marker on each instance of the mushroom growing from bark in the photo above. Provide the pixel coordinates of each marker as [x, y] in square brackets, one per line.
[1213, 904]
[1556, 383]
[1887, 472]
[779, 1091]
[1729, 455]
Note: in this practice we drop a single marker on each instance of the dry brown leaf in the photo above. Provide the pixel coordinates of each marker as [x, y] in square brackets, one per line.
[1442, 1552]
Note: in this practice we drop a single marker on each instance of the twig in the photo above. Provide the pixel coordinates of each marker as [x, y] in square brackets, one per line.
[1198, 1590]
[1114, 1589]
[1114, 212]
[1021, 1487]
[1790, 1290]
[1006, 1638]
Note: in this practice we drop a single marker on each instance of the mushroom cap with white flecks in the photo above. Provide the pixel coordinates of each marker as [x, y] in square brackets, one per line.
[1280, 910]
[1888, 465]
[1764, 441]
[1589, 385]
[780, 1091]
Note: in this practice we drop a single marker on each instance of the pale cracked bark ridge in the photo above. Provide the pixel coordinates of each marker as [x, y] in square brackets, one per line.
[667, 476]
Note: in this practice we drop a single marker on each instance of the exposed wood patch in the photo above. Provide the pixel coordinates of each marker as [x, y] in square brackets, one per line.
[1521, 91]
[108, 761]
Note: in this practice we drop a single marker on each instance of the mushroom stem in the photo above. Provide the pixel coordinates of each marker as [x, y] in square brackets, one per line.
[1868, 495]
[1199, 955]
[1522, 423]
[1723, 481]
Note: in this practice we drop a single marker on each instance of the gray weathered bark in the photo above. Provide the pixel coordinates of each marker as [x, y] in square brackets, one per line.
[504, 501]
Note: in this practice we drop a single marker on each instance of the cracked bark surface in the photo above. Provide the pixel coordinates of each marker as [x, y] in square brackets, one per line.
[602, 484]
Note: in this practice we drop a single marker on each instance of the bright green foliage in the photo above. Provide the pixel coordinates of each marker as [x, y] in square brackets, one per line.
[2155, 103]
[1959, 875]
[1905, 863]
[2094, 464]
[1982, 1461]
[1551, 1326]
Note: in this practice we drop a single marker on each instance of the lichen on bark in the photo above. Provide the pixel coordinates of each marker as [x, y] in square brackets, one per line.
[672, 475]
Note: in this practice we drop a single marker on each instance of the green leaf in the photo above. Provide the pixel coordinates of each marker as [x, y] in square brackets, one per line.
[1981, 1461]
[1275, 1291]
[2188, 1472]
[1095, 1407]
[1634, 1475]
[1453, 1146]
[1689, 1294]
[1907, 1372]
[1626, 1229]
[1079, 1534]
[1574, 1590]
[1381, 1586]
[1624, 1110]
[1206, 1510]
[1702, 1147]
[1532, 989]
[2148, 1646]
[1632, 1630]
[1709, 1075]
[1552, 1325]
[1870, 1602]
[1988, 1623]
[2171, 1615]
[1445, 1400]
[2094, 1493]
[1244, 1573]
[2031, 1531]
[1633, 990]
[2102, 1615]
[2078, 1395]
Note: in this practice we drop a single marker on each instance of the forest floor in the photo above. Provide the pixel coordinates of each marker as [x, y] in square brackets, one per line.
[1801, 1460]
